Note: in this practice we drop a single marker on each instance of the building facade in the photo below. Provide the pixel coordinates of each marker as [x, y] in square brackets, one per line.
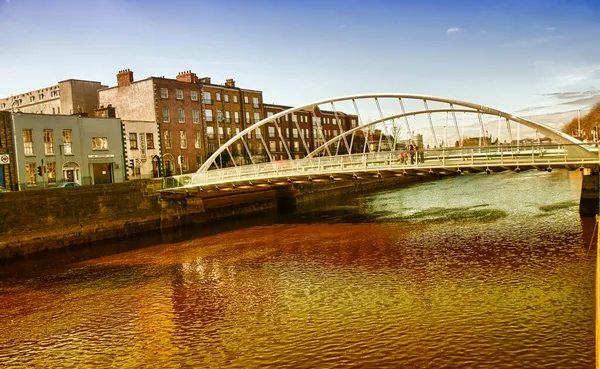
[297, 134]
[7, 156]
[51, 149]
[68, 97]
[190, 116]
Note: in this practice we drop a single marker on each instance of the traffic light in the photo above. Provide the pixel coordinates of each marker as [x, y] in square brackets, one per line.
[131, 164]
[39, 170]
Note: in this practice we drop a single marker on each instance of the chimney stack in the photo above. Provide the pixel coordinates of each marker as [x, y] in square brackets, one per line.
[187, 76]
[124, 78]
[230, 82]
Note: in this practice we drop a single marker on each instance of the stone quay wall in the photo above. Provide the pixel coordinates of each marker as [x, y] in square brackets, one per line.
[34, 221]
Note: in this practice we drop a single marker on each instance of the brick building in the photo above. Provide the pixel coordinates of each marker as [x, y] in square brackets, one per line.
[190, 116]
[304, 131]
[68, 97]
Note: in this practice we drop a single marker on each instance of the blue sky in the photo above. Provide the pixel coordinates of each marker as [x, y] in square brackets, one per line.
[523, 57]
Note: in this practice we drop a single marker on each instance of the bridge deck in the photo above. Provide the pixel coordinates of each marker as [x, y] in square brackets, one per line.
[357, 165]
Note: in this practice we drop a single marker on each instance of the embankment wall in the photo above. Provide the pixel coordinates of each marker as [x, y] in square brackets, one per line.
[34, 221]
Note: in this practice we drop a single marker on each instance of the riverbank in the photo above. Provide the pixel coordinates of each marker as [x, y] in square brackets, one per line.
[35, 221]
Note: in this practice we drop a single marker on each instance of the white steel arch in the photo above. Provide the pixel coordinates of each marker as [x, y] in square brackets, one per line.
[456, 106]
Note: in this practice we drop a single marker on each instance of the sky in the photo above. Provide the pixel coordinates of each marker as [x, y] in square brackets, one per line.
[523, 57]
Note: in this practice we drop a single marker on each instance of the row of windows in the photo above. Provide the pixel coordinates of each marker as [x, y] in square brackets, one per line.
[133, 140]
[31, 173]
[67, 144]
[207, 97]
[208, 116]
[304, 119]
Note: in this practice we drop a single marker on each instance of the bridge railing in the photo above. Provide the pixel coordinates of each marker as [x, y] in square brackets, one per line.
[397, 160]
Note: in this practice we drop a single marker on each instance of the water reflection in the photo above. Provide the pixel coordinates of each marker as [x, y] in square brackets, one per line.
[472, 271]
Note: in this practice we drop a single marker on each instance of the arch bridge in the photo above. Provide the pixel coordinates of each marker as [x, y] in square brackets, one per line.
[379, 135]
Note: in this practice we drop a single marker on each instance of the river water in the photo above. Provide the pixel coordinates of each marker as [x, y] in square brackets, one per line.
[474, 271]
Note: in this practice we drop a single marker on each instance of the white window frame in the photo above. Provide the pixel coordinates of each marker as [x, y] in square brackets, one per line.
[180, 115]
[164, 93]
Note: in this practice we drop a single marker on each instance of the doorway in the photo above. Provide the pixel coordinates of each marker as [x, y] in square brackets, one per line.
[102, 173]
[70, 172]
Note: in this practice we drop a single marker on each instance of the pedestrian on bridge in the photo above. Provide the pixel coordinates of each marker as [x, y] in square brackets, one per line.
[411, 152]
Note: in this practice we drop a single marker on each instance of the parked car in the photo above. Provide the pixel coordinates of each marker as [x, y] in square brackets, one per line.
[68, 184]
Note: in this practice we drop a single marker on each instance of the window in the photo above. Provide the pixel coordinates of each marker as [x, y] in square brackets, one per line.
[296, 146]
[28, 142]
[255, 103]
[180, 117]
[198, 142]
[67, 143]
[271, 131]
[219, 116]
[208, 115]
[179, 94]
[211, 148]
[164, 93]
[295, 133]
[258, 133]
[99, 143]
[245, 99]
[248, 117]
[237, 130]
[250, 135]
[207, 98]
[2, 106]
[31, 98]
[226, 98]
[133, 144]
[182, 140]
[256, 117]
[236, 117]
[229, 132]
[31, 173]
[51, 172]
[272, 146]
[210, 132]
[167, 139]
[48, 142]
[294, 118]
[220, 132]
[166, 115]
[195, 116]
[269, 114]
[227, 117]
[41, 97]
[235, 99]
[194, 95]
[149, 140]
[218, 96]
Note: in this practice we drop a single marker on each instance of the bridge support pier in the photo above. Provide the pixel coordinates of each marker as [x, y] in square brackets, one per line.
[590, 193]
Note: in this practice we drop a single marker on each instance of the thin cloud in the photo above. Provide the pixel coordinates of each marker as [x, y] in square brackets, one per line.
[453, 31]
[550, 28]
